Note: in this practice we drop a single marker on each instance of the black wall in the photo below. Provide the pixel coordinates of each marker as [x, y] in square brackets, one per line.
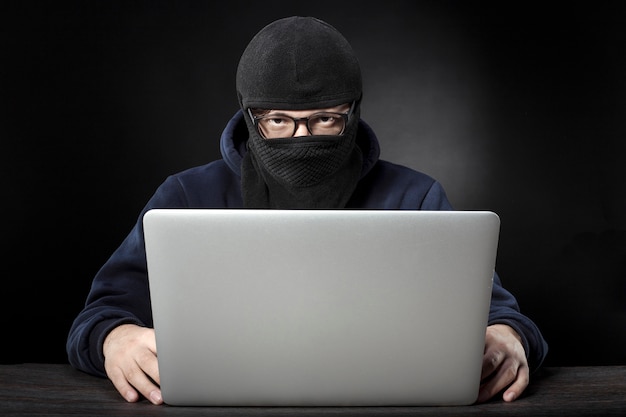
[516, 107]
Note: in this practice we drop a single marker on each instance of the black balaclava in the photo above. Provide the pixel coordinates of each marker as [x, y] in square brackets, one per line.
[299, 63]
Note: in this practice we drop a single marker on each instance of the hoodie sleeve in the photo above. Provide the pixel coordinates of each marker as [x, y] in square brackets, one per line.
[119, 292]
[505, 310]
[504, 307]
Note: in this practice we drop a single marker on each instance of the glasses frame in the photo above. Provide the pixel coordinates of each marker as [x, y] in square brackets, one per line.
[298, 120]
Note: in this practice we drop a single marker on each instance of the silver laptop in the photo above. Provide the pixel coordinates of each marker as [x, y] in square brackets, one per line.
[320, 307]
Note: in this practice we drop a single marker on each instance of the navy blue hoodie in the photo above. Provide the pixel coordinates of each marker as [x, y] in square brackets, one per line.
[119, 292]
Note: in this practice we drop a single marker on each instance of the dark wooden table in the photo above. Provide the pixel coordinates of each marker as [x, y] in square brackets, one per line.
[59, 390]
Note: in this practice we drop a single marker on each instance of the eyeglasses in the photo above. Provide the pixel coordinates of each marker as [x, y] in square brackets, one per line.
[278, 125]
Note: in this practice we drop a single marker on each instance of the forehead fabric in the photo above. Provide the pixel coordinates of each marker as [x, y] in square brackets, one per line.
[298, 63]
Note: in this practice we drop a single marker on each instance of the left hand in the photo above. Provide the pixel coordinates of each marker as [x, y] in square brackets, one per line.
[504, 365]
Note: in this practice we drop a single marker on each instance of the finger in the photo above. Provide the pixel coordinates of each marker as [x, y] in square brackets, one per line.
[504, 376]
[116, 375]
[486, 392]
[492, 360]
[520, 384]
[148, 362]
[144, 384]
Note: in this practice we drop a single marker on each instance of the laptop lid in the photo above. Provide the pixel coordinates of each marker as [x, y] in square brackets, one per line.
[320, 307]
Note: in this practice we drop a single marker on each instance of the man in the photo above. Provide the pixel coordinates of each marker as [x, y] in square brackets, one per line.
[297, 142]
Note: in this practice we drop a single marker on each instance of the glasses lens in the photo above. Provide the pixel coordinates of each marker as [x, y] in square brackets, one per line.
[276, 126]
[326, 124]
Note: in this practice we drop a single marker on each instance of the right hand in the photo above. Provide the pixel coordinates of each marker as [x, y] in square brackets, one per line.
[130, 361]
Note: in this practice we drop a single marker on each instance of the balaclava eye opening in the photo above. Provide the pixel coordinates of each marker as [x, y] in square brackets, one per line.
[299, 63]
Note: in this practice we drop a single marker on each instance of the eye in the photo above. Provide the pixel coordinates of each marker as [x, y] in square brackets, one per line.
[276, 121]
[326, 124]
[324, 120]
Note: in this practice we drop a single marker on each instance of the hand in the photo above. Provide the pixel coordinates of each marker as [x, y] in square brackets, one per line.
[130, 361]
[504, 364]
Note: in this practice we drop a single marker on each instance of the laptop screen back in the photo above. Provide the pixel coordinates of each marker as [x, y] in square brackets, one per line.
[320, 307]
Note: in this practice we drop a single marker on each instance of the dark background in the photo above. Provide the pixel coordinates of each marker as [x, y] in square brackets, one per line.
[516, 107]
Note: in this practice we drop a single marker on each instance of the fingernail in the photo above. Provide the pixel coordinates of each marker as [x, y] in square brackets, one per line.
[131, 396]
[155, 397]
